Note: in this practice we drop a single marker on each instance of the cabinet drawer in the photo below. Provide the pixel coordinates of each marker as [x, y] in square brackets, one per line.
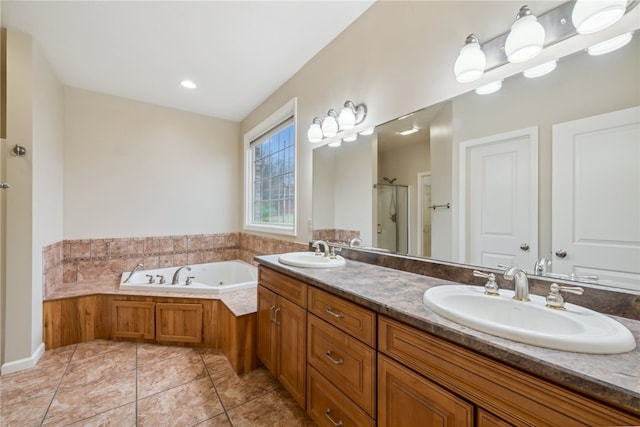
[330, 407]
[288, 287]
[344, 361]
[351, 318]
[512, 395]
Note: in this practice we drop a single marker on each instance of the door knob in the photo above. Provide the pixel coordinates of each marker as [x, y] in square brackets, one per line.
[4, 185]
[561, 253]
[524, 246]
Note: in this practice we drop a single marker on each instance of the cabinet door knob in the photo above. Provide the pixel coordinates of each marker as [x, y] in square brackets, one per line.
[4, 186]
[524, 246]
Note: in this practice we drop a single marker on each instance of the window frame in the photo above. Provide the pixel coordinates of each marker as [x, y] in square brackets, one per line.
[274, 120]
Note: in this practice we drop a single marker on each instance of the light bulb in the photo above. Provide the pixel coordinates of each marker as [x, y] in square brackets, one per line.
[590, 16]
[347, 117]
[526, 38]
[315, 132]
[471, 61]
[330, 124]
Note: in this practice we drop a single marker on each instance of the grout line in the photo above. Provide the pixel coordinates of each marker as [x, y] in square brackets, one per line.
[44, 417]
[135, 412]
[224, 408]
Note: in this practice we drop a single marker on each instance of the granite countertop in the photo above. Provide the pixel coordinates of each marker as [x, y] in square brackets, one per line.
[398, 295]
[240, 302]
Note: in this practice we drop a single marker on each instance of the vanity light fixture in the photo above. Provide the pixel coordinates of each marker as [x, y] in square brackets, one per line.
[408, 131]
[610, 45]
[314, 134]
[471, 61]
[188, 84]
[540, 70]
[366, 132]
[330, 124]
[590, 16]
[351, 115]
[526, 38]
[350, 138]
[489, 88]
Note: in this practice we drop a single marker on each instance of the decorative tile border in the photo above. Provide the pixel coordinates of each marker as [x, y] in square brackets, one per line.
[335, 235]
[71, 261]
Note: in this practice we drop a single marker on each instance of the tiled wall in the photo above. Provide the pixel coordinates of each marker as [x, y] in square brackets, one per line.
[335, 235]
[71, 261]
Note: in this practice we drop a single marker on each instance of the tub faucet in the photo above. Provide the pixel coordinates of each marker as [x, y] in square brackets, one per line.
[325, 245]
[521, 283]
[140, 265]
[176, 275]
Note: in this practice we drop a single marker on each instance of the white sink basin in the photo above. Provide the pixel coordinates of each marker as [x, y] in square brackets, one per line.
[575, 329]
[310, 260]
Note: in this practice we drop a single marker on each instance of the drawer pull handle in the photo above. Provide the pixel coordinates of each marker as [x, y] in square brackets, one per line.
[334, 314]
[271, 317]
[275, 316]
[330, 357]
[328, 414]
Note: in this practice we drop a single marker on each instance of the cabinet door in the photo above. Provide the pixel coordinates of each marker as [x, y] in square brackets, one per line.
[133, 319]
[487, 419]
[266, 340]
[291, 322]
[179, 322]
[406, 398]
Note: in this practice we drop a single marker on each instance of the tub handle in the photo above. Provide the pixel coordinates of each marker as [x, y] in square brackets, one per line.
[189, 280]
[162, 279]
[150, 276]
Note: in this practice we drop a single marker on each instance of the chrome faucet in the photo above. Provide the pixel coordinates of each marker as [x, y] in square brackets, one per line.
[542, 266]
[327, 249]
[355, 242]
[140, 265]
[176, 275]
[521, 283]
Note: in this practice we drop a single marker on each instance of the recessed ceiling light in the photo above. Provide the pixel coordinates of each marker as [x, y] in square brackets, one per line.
[188, 84]
[408, 131]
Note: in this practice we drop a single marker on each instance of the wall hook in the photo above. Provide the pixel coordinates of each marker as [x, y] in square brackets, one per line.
[19, 151]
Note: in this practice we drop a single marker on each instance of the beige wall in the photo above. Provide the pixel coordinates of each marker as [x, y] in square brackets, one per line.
[396, 58]
[133, 169]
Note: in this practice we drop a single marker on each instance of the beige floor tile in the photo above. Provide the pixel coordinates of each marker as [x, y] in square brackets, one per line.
[184, 405]
[30, 383]
[220, 421]
[78, 403]
[169, 373]
[152, 353]
[92, 348]
[56, 357]
[98, 366]
[234, 389]
[214, 360]
[274, 409]
[124, 416]
[29, 412]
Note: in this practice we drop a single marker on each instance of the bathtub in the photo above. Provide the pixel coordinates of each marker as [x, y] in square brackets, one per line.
[211, 278]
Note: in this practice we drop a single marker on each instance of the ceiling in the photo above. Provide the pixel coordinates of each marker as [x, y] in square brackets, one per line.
[237, 52]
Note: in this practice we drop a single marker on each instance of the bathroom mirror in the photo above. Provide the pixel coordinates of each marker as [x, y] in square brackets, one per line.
[414, 194]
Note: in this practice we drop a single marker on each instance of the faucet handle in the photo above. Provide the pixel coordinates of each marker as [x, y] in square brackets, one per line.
[333, 252]
[189, 280]
[555, 299]
[491, 287]
[162, 279]
[150, 276]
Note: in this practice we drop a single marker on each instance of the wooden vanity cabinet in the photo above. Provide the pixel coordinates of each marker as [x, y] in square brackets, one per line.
[501, 395]
[133, 319]
[282, 330]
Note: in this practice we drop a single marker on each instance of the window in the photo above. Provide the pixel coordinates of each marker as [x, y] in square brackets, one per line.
[270, 174]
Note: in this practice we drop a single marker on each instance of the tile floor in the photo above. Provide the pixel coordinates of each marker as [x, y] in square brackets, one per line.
[115, 383]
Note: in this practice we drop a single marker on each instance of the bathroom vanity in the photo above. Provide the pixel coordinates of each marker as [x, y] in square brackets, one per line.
[367, 351]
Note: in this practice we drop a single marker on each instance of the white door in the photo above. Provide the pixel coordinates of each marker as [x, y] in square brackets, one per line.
[596, 198]
[499, 199]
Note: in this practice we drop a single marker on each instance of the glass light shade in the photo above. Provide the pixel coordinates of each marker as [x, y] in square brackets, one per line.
[540, 70]
[346, 119]
[489, 88]
[590, 16]
[610, 45]
[314, 134]
[470, 63]
[329, 127]
[334, 144]
[525, 40]
[366, 132]
[350, 138]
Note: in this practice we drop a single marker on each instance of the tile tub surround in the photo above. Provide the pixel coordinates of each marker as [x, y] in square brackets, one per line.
[128, 384]
[398, 294]
[71, 263]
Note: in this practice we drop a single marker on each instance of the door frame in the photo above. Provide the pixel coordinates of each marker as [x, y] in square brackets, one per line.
[465, 146]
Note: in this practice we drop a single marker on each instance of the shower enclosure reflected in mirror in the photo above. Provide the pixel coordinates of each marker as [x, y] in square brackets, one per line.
[581, 88]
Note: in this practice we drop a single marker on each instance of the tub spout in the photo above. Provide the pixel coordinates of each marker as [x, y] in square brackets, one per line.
[176, 275]
[140, 265]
